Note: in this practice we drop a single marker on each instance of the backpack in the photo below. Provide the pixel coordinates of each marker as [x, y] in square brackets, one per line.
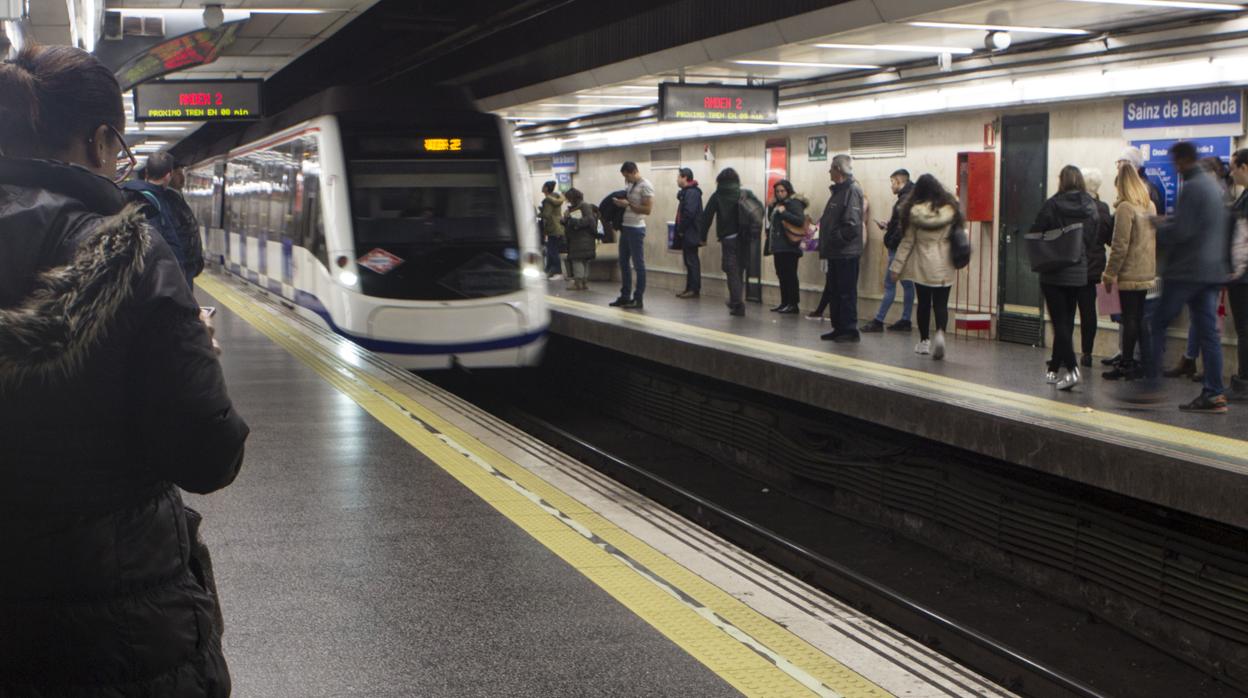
[187, 229]
[750, 214]
[1238, 251]
[164, 224]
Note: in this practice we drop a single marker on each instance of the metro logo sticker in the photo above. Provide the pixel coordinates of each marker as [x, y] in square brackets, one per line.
[380, 261]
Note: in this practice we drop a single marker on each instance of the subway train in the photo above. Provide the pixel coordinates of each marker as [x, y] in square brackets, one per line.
[404, 226]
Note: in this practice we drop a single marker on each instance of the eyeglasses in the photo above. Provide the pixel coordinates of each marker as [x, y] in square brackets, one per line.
[126, 162]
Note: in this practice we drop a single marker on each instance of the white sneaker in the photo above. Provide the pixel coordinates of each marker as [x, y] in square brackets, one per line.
[923, 348]
[1069, 380]
[1050, 377]
[938, 346]
[556, 277]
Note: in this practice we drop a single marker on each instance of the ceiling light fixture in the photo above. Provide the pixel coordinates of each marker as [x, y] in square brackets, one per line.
[1172, 4]
[169, 11]
[998, 41]
[1001, 28]
[592, 106]
[803, 64]
[214, 16]
[900, 48]
[629, 98]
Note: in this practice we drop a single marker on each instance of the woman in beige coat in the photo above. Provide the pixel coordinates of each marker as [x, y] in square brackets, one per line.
[928, 216]
[1132, 265]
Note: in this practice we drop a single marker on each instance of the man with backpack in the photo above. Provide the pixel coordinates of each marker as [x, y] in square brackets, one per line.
[738, 218]
[169, 214]
[840, 249]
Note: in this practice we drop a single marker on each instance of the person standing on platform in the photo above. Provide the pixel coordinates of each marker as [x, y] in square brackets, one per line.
[1132, 264]
[1071, 208]
[637, 202]
[1133, 156]
[688, 232]
[1089, 316]
[928, 216]
[552, 229]
[580, 227]
[893, 232]
[1237, 289]
[113, 402]
[840, 249]
[724, 208]
[1194, 246]
[788, 228]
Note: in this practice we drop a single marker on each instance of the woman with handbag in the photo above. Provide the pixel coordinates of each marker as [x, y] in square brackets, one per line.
[1132, 265]
[788, 229]
[1064, 222]
[580, 227]
[928, 217]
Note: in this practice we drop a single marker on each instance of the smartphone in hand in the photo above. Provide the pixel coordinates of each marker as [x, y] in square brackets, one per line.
[207, 310]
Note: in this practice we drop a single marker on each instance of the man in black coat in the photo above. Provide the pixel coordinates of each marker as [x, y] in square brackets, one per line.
[688, 213]
[840, 249]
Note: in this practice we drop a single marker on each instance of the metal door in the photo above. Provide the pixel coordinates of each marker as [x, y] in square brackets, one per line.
[1024, 171]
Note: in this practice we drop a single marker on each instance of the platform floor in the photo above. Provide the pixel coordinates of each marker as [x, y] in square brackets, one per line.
[986, 396]
[385, 539]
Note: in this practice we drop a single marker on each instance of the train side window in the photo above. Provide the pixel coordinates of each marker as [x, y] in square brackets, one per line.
[313, 232]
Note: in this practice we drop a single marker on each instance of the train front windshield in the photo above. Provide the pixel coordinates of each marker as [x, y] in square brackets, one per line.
[433, 218]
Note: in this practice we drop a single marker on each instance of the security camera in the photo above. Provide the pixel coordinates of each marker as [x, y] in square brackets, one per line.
[214, 16]
[997, 41]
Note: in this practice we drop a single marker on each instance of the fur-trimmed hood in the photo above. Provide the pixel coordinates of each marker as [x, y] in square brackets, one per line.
[77, 267]
[922, 215]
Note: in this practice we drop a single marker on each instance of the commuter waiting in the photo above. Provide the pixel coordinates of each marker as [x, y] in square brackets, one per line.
[1193, 252]
[893, 232]
[552, 229]
[688, 215]
[164, 214]
[1132, 264]
[1067, 218]
[1095, 244]
[928, 216]
[728, 207]
[840, 249]
[112, 399]
[1237, 289]
[787, 219]
[637, 202]
[580, 227]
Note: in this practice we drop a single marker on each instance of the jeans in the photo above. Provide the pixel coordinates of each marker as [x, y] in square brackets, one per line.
[632, 251]
[1062, 302]
[890, 294]
[1088, 317]
[693, 269]
[1238, 296]
[735, 253]
[933, 298]
[1193, 344]
[841, 288]
[786, 272]
[1202, 303]
[553, 266]
[1132, 322]
[580, 269]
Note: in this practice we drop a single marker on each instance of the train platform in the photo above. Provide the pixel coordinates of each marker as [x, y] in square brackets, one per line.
[384, 538]
[986, 397]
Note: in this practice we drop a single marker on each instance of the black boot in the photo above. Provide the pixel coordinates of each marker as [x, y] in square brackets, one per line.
[1186, 367]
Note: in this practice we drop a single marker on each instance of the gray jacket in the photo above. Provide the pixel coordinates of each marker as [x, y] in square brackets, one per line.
[840, 226]
[1192, 245]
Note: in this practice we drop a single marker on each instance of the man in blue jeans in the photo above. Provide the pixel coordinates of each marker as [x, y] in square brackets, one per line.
[637, 202]
[901, 185]
[1194, 245]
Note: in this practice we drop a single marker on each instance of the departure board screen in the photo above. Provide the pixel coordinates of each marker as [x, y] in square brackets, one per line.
[198, 100]
[726, 103]
[433, 145]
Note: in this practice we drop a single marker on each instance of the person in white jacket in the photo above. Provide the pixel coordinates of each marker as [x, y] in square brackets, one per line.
[923, 257]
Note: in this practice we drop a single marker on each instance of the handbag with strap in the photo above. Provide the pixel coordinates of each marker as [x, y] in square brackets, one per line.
[796, 233]
[959, 247]
[1053, 250]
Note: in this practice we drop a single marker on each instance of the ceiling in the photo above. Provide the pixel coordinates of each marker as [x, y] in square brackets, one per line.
[865, 23]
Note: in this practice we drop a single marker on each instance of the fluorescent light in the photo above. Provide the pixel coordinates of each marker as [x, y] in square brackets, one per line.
[635, 87]
[899, 48]
[1000, 28]
[199, 11]
[633, 98]
[803, 64]
[591, 106]
[1171, 4]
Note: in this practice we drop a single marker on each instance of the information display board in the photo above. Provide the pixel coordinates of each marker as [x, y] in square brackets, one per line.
[198, 100]
[725, 103]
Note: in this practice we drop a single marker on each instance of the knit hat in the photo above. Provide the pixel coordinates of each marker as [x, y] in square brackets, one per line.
[1132, 155]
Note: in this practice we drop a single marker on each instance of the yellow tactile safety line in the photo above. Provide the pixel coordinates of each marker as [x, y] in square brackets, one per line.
[1127, 429]
[744, 648]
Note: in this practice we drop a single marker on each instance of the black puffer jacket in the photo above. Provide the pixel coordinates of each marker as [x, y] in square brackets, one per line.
[1097, 255]
[110, 398]
[1060, 210]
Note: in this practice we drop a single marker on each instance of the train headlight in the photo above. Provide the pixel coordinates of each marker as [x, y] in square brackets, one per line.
[348, 278]
[532, 273]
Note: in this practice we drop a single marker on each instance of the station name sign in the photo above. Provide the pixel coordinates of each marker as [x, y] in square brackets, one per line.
[724, 103]
[1213, 113]
[198, 100]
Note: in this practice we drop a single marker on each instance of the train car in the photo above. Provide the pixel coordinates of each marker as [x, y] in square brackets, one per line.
[406, 227]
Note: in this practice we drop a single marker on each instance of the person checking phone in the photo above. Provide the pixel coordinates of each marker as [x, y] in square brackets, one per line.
[901, 185]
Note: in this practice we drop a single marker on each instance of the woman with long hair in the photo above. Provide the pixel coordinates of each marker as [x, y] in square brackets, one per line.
[111, 398]
[1132, 264]
[928, 217]
[787, 214]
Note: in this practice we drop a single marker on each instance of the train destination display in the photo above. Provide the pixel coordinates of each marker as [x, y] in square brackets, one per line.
[198, 100]
[725, 103]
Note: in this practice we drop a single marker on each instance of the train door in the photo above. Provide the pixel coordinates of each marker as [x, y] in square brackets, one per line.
[1024, 175]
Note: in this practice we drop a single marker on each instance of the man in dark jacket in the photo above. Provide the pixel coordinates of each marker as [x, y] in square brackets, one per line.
[724, 208]
[161, 205]
[1237, 289]
[1192, 249]
[840, 249]
[902, 186]
[688, 215]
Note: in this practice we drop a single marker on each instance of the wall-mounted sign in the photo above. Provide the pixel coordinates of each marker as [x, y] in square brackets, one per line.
[198, 100]
[1185, 115]
[565, 163]
[817, 148]
[1160, 169]
[564, 181]
[726, 103]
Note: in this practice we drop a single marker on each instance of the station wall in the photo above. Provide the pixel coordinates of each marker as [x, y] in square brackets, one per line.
[1086, 134]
